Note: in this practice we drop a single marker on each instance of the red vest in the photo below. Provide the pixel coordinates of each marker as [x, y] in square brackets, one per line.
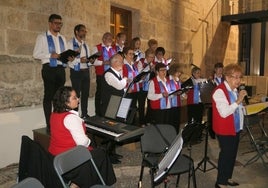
[100, 68]
[130, 73]
[222, 126]
[156, 104]
[60, 139]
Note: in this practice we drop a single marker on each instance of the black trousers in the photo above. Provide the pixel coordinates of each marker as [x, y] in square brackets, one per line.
[134, 97]
[175, 117]
[195, 112]
[99, 80]
[53, 78]
[227, 156]
[142, 96]
[85, 175]
[81, 83]
[158, 116]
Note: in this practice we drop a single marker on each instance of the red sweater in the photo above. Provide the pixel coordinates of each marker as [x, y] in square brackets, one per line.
[60, 138]
[222, 126]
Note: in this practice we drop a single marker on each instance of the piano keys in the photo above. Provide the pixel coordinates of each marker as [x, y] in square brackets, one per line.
[113, 130]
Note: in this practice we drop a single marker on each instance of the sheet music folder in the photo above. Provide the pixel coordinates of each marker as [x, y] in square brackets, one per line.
[180, 91]
[140, 76]
[68, 53]
[136, 79]
[94, 56]
[118, 108]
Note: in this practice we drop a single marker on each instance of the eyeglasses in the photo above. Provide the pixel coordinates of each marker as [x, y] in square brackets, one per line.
[162, 69]
[57, 23]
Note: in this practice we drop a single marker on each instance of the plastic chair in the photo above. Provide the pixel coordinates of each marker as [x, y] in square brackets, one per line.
[258, 138]
[71, 159]
[155, 143]
[29, 183]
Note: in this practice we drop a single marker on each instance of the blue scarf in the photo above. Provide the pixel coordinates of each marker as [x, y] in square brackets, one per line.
[236, 113]
[107, 55]
[196, 93]
[76, 47]
[163, 100]
[174, 100]
[51, 49]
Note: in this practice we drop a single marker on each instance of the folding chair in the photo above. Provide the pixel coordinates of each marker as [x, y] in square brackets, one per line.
[258, 138]
[71, 159]
[29, 183]
[155, 143]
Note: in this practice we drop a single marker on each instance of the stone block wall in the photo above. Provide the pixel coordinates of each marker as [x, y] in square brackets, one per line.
[174, 23]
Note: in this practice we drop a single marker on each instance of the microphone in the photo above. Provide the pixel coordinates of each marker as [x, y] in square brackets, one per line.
[243, 87]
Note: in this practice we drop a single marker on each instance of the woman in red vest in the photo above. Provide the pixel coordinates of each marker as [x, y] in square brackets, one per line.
[175, 72]
[158, 96]
[130, 71]
[67, 131]
[227, 121]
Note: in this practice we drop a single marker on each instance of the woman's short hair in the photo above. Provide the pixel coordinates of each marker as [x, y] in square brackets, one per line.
[151, 42]
[229, 69]
[175, 67]
[158, 66]
[60, 99]
[195, 69]
[160, 50]
[218, 65]
[126, 49]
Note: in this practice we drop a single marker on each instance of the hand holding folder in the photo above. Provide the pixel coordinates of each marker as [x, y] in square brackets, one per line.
[140, 76]
[92, 58]
[66, 54]
[180, 91]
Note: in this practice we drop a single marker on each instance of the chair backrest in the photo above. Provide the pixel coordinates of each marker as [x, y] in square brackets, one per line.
[254, 126]
[157, 138]
[71, 159]
[29, 183]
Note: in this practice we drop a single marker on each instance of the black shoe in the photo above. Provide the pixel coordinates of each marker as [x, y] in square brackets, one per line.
[217, 186]
[232, 183]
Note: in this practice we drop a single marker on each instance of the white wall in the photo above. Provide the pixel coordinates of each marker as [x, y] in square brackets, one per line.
[14, 124]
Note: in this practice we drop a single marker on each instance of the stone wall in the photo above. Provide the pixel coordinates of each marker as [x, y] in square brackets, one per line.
[176, 24]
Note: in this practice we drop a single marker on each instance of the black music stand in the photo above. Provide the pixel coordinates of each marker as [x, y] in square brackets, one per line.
[206, 90]
[136, 79]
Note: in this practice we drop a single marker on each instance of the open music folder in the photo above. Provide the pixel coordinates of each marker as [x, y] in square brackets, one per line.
[94, 56]
[66, 54]
[136, 79]
[180, 91]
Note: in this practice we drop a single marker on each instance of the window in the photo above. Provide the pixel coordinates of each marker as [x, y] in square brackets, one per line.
[121, 21]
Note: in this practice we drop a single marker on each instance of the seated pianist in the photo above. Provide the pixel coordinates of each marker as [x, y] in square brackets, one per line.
[68, 131]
